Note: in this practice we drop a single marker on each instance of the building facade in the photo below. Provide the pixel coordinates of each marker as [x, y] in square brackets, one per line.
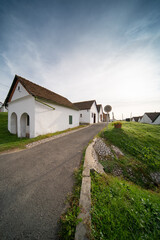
[34, 110]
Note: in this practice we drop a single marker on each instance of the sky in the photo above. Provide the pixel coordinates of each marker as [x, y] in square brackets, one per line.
[107, 50]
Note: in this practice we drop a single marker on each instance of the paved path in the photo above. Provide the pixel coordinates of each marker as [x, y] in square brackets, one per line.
[34, 184]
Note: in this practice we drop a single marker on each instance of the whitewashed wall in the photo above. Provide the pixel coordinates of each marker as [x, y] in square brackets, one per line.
[48, 120]
[146, 119]
[42, 119]
[19, 92]
[94, 111]
[100, 113]
[85, 116]
[21, 106]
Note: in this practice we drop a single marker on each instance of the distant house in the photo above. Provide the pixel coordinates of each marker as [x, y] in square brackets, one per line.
[151, 118]
[128, 119]
[2, 107]
[100, 112]
[88, 112]
[136, 119]
[157, 120]
[34, 110]
[139, 120]
[105, 115]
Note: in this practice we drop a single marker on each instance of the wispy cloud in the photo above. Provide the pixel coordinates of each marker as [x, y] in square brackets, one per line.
[105, 52]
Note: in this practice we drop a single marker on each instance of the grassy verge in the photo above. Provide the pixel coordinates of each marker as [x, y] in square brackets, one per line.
[140, 145]
[10, 141]
[121, 210]
[69, 221]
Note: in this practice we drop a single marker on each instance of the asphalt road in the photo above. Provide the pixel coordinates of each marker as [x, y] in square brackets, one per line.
[34, 184]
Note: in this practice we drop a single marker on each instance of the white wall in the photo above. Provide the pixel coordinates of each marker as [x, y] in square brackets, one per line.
[48, 120]
[19, 92]
[157, 121]
[100, 113]
[85, 116]
[146, 119]
[94, 111]
[20, 106]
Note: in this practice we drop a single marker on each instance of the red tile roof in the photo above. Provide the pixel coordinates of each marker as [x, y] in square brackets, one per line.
[84, 105]
[39, 92]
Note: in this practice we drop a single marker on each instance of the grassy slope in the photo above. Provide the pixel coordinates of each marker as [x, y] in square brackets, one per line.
[121, 209]
[140, 144]
[140, 140]
[11, 141]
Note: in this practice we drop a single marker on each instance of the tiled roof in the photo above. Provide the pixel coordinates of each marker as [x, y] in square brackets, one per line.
[153, 115]
[98, 107]
[84, 105]
[40, 92]
[136, 118]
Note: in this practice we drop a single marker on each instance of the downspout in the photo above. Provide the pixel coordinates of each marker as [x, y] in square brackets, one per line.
[44, 103]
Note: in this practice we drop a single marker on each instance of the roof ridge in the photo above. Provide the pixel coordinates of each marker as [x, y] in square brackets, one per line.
[40, 92]
[39, 85]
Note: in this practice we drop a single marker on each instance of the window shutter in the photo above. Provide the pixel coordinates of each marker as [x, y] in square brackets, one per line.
[70, 119]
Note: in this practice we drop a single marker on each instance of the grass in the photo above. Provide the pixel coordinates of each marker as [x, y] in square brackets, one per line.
[68, 220]
[122, 210]
[126, 201]
[140, 145]
[10, 141]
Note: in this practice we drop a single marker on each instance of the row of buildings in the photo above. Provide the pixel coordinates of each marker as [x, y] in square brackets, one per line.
[150, 118]
[34, 110]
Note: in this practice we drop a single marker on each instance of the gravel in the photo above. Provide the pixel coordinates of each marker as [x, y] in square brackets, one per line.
[105, 151]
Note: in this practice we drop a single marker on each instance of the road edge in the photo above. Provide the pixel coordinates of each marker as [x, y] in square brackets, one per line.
[90, 163]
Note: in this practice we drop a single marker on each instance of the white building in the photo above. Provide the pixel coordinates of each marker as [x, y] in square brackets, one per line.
[100, 112]
[136, 119]
[87, 111]
[157, 120]
[151, 118]
[34, 110]
[2, 108]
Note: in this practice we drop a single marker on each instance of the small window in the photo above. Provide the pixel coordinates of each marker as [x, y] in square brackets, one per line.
[19, 88]
[27, 120]
[92, 115]
[81, 115]
[70, 119]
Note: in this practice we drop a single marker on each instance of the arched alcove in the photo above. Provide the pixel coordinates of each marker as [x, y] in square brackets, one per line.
[25, 125]
[13, 123]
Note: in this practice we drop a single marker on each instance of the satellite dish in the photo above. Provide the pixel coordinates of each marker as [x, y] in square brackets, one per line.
[107, 108]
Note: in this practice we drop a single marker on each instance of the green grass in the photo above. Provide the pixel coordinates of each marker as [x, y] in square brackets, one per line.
[121, 210]
[141, 145]
[10, 141]
[68, 220]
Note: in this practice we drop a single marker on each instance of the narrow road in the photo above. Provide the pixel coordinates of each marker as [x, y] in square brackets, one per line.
[34, 184]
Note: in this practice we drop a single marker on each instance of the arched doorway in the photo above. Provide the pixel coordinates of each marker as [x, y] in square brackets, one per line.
[94, 119]
[25, 125]
[13, 127]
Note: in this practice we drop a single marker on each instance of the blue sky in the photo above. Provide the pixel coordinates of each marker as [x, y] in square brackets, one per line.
[104, 50]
